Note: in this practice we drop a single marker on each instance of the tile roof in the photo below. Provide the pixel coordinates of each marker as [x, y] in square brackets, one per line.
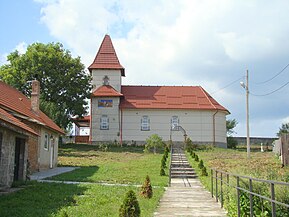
[106, 90]
[13, 100]
[106, 57]
[168, 97]
[5, 116]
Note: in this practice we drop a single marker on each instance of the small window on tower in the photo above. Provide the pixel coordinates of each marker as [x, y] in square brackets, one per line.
[104, 122]
[105, 80]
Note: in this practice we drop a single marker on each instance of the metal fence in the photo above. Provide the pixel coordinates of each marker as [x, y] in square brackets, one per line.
[223, 181]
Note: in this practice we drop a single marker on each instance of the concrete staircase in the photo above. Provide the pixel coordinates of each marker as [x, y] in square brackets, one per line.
[180, 167]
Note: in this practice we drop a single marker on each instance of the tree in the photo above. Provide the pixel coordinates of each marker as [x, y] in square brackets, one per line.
[64, 84]
[130, 206]
[146, 189]
[230, 125]
[153, 141]
[283, 129]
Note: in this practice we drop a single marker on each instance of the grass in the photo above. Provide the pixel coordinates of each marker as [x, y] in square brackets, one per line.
[53, 200]
[127, 165]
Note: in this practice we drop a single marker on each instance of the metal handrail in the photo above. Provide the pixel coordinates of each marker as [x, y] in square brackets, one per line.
[272, 200]
[171, 147]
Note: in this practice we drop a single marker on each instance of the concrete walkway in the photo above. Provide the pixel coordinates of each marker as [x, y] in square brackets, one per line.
[51, 172]
[187, 197]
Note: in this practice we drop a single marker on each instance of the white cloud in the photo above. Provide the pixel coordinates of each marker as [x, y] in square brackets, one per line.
[187, 42]
[21, 47]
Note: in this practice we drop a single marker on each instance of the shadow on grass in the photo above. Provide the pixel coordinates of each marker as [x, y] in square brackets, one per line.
[82, 174]
[40, 199]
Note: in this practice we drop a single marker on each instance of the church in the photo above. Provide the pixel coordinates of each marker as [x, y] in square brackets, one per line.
[130, 114]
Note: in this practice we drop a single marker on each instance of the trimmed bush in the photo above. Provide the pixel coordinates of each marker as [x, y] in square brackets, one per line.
[201, 164]
[193, 154]
[146, 189]
[162, 172]
[204, 171]
[196, 158]
[163, 163]
[130, 206]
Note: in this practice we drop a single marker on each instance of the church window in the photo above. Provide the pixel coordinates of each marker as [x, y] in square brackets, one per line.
[104, 122]
[106, 80]
[145, 123]
[175, 123]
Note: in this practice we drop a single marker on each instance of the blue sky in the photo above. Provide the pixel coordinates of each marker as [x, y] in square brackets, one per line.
[167, 42]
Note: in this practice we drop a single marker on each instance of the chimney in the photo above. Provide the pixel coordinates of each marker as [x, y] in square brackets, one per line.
[35, 95]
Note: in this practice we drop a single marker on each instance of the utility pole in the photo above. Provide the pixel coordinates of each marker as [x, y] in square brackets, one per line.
[247, 114]
[246, 87]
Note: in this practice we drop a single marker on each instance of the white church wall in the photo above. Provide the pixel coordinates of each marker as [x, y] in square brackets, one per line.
[198, 125]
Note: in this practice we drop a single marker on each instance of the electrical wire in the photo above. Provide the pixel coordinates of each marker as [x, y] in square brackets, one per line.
[233, 82]
[271, 91]
[263, 82]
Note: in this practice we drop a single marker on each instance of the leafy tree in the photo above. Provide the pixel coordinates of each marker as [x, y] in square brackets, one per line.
[130, 206]
[230, 125]
[154, 141]
[64, 84]
[283, 129]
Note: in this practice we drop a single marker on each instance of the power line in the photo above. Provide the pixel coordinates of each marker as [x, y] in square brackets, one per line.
[263, 82]
[233, 82]
[271, 91]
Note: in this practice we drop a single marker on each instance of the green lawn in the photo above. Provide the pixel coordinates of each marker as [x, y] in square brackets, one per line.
[128, 165]
[115, 165]
[44, 199]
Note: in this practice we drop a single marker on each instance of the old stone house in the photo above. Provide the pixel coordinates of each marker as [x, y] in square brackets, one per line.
[128, 114]
[28, 138]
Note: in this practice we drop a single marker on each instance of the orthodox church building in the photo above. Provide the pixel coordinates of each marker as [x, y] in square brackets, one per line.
[130, 114]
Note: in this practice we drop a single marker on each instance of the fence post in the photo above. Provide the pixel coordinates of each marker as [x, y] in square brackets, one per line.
[216, 186]
[251, 197]
[273, 198]
[212, 182]
[221, 190]
[238, 196]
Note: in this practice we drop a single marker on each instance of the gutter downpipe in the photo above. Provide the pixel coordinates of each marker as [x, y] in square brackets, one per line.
[214, 128]
[121, 127]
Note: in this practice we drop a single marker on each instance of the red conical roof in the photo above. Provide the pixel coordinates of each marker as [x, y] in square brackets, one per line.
[106, 57]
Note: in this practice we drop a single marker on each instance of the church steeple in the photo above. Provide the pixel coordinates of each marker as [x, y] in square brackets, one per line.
[106, 57]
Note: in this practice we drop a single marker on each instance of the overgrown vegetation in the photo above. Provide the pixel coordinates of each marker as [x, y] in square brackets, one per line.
[261, 165]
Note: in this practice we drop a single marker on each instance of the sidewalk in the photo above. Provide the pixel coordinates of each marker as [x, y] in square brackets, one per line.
[187, 197]
[51, 172]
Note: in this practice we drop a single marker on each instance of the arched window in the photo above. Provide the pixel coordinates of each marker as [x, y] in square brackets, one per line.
[175, 123]
[104, 122]
[145, 123]
[106, 80]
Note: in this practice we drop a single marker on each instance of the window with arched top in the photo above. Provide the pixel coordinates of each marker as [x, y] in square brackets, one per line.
[145, 123]
[104, 122]
[175, 123]
[106, 80]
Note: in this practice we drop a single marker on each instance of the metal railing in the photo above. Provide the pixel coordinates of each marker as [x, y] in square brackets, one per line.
[171, 147]
[220, 178]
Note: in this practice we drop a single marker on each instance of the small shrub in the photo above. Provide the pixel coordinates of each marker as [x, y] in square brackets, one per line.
[146, 189]
[196, 158]
[162, 172]
[153, 141]
[204, 171]
[231, 142]
[163, 163]
[193, 154]
[201, 164]
[130, 206]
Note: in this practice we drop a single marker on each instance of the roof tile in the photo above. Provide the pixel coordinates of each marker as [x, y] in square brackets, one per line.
[105, 90]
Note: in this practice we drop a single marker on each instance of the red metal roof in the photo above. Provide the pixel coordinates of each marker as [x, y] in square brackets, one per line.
[106, 57]
[105, 90]
[168, 97]
[14, 101]
[5, 116]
